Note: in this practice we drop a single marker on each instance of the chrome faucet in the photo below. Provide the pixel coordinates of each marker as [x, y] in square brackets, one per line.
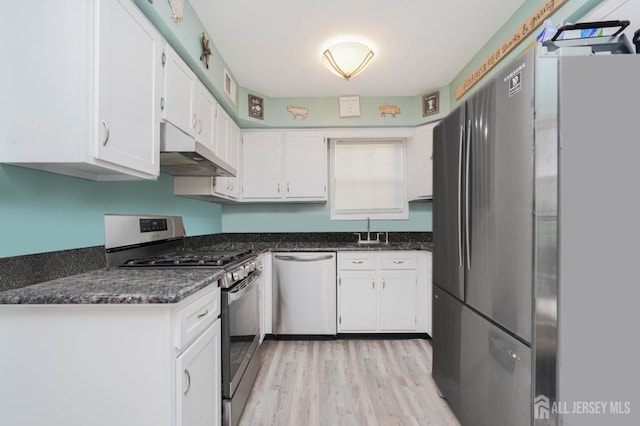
[369, 240]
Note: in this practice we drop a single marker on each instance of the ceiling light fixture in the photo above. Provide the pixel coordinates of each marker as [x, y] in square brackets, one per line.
[347, 59]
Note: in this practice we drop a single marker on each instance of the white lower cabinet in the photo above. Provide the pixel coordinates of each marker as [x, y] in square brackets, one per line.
[198, 381]
[398, 300]
[384, 292]
[112, 364]
[357, 301]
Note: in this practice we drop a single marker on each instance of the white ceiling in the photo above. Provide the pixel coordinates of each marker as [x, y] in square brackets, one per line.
[274, 46]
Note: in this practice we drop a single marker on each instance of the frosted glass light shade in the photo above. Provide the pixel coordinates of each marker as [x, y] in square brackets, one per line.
[347, 59]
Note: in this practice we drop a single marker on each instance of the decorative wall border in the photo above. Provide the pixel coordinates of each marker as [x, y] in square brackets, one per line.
[538, 17]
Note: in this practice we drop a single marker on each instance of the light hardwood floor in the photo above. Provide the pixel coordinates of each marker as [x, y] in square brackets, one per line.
[346, 382]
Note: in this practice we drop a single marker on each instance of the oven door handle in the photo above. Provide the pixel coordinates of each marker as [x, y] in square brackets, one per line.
[243, 287]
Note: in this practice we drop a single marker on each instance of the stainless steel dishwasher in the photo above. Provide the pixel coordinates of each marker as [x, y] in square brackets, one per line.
[304, 293]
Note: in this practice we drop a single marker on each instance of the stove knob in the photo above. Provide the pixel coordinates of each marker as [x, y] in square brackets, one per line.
[236, 276]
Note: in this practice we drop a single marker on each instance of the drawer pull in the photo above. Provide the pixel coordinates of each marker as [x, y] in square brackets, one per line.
[106, 129]
[203, 313]
[398, 262]
[357, 262]
[186, 373]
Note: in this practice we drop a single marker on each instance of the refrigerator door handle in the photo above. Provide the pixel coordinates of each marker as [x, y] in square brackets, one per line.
[460, 242]
[466, 201]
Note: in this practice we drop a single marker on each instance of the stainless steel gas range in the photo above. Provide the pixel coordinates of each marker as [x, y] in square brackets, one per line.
[151, 241]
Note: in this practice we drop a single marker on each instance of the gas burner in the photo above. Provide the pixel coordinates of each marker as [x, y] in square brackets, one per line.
[190, 259]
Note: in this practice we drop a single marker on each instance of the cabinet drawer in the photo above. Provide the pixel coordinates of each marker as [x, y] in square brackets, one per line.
[398, 261]
[356, 261]
[193, 319]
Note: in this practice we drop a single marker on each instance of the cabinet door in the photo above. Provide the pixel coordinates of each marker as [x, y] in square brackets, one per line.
[222, 133]
[228, 186]
[205, 130]
[128, 88]
[234, 159]
[179, 94]
[262, 165]
[398, 300]
[420, 164]
[357, 301]
[198, 381]
[305, 165]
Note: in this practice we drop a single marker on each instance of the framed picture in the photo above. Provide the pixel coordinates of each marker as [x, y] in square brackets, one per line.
[256, 107]
[430, 104]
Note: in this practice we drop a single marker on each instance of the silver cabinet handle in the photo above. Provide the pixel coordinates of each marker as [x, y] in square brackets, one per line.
[373, 284]
[200, 123]
[357, 262]
[398, 262]
[203, 314]
[468, 208]
[288, 187]
[278, 187]
[106, 128]
[461, 133]
[194, 118]
[513, 355]
[383, 284]
[186, 373]
[303, 259]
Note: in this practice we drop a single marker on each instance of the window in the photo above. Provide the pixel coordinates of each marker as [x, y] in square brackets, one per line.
[368, 179]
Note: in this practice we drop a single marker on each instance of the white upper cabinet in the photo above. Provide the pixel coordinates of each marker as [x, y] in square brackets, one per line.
[179, 92]
[229, 186]
[188, 104]
[262, 165]
[284, 166]
[420, 164]
[223, 123]
[87, 103]
[206, 106]
[305, 165]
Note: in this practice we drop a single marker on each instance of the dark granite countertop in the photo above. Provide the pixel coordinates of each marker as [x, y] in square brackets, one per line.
[261, 247]
[80, 275]
[334, 241]
[115, 286]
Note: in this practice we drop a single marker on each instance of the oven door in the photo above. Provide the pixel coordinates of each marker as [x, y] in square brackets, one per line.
[240, 330]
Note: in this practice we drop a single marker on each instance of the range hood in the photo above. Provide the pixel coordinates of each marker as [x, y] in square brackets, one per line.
[182, 155]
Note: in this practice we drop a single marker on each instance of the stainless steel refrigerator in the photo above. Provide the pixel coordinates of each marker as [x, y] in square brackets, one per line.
[531, 174]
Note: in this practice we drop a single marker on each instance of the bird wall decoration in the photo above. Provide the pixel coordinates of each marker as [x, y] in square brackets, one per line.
[206, 50]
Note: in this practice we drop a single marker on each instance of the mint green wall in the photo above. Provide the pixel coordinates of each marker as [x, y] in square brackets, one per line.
[41, 212]
[314, 218]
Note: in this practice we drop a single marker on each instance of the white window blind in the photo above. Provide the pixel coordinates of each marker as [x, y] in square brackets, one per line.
[368, 180]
